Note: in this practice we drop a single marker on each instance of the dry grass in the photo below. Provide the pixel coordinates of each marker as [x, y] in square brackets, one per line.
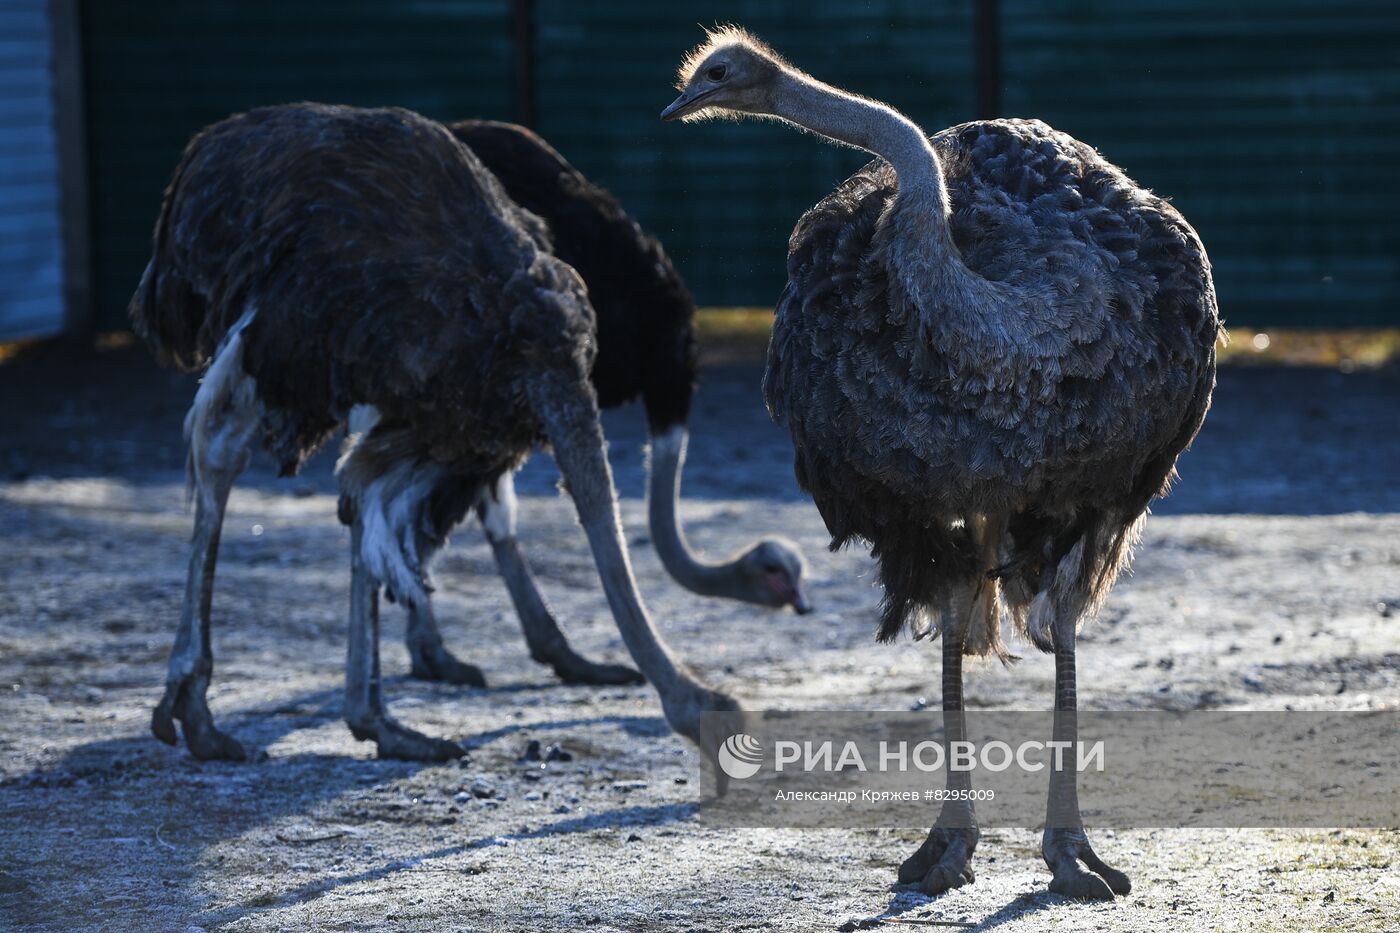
[728, 334]
[741, 335]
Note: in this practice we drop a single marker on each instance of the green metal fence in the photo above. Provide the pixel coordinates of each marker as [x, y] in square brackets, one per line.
[156, 71]
[1273, 125]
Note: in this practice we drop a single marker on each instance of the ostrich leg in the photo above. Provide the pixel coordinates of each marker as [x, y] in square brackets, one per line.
[364, 695]
[568, 408]
[429, 658]
[944, 860]
[1064, 844]
[220, 427]
[427, 655]
[547, 644]
[192, 658]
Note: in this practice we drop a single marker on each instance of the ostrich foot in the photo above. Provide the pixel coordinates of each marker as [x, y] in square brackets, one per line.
[401, 742]
[1063, 850]
[572, 668]
[434, 662]
[184, 700]
[943, 862]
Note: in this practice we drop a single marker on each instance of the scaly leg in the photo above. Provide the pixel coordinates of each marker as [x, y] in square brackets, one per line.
[547, 644]
[430, 659]
[364, 697]
[944, 860]
[220, 427]
[192, 658]
[1065, 844]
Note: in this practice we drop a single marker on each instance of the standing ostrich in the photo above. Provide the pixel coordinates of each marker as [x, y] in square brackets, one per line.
[344, 259]
[991, 349]
[646, 347]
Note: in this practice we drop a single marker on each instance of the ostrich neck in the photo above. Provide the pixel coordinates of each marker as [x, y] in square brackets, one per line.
[922, 255]
[707, 579]
[865, 124]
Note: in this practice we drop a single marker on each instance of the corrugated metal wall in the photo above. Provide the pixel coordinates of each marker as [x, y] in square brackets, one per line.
[159, 70]
[1272, 124]
[31, 242]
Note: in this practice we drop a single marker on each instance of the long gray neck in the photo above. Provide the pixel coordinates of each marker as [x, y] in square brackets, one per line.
[865, 124]
[922, 256]
[667, 459]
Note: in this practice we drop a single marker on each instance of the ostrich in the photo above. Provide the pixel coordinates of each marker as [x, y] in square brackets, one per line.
[991, 349]
[341, 260]
[646, 347]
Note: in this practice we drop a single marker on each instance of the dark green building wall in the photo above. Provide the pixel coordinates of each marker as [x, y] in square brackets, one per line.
[1273, 125]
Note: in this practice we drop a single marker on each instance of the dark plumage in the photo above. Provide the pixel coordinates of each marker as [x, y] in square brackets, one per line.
[646, 315]
[378, 256]
[646, 347]
[334, 264]
[1072, 429]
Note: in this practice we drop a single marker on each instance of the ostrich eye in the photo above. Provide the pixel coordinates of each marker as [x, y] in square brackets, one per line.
[772, 568]
[717, 73]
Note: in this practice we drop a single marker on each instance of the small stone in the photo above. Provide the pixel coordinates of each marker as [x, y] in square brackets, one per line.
[482, 788]
[563, 808]
[461, 796]
[556, 753]
[633, 837]
[533, 795]
[532, 751]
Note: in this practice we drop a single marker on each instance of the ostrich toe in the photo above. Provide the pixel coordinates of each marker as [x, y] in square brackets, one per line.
[184, 702]
[1063, 850]
[434, 662]
[943, 862]
[400, 742]
[572, 668]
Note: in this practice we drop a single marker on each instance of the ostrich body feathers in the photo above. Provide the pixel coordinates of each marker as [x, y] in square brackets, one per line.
[974, 439]
[387, 267]
[646, 315]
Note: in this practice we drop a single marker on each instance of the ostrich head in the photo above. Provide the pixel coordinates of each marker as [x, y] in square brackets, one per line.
[731, 73]
[770, 574]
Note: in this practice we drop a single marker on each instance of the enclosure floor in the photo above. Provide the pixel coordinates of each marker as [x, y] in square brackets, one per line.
[106, 828]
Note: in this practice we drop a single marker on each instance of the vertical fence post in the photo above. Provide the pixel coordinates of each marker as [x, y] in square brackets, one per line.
[522, 34]
[988, 58]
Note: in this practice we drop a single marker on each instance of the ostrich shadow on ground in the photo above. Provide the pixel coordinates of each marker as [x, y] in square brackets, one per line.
[161, 815]
[907, 899]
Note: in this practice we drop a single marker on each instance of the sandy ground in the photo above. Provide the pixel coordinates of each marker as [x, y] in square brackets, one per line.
[1272, 579]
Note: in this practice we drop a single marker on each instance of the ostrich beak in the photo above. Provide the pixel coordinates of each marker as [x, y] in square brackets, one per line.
[800, 603]
[684, 104]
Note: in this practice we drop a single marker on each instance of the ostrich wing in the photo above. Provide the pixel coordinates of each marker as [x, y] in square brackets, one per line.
[1075, 401]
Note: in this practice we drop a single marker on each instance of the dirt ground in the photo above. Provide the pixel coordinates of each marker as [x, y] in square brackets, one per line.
[1272, 579]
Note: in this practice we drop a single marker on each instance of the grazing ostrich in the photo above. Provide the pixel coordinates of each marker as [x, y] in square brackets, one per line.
[991, 349]
[363, 260]
[646, 347]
